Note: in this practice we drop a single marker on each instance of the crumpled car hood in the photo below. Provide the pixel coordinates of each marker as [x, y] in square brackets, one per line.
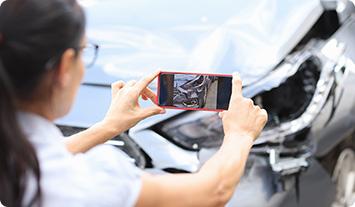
[249, 37]
[138, 37]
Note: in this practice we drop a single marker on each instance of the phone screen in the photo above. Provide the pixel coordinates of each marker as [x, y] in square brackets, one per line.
[192, 91]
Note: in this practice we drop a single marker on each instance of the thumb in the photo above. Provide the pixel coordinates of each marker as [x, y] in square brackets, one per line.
[152, 110]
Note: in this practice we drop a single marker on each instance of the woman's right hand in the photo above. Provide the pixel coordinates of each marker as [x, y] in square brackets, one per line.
[125, 110]
[242, 118]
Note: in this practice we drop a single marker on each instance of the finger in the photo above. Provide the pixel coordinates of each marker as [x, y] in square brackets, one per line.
[256, 107]
[131, 83]
[144, 82]
[153, 110]
[250, 102]
[144, 97]
[116, 86]
[150, 94]
[236, 86]
[264, 114]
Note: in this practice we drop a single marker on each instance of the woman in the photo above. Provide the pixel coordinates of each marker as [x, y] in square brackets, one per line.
[41, 66]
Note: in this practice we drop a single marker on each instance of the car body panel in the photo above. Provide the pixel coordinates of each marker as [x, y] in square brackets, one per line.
[90, 107]
[118, 58]
[329, 128]
[141, 36]
[257, 187]
[165, 155]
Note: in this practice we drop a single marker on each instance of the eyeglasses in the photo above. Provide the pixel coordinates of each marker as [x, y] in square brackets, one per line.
[89, 55]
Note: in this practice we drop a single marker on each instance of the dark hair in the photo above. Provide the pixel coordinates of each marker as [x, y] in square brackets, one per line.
[33, 33]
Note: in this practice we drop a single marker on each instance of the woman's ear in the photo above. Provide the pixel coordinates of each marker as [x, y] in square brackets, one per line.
[65, 68]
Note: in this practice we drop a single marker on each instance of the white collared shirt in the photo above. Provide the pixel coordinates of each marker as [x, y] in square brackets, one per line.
[103, 176]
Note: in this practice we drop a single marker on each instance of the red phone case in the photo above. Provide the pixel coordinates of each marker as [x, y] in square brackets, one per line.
[191, 109]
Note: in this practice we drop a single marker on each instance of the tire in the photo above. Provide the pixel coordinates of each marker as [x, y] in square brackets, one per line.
[344, 178]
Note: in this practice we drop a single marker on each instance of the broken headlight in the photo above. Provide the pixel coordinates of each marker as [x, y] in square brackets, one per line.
[193, 131]
[290, 100]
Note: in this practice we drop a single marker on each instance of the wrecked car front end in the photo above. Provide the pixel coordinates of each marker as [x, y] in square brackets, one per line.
[296, 59]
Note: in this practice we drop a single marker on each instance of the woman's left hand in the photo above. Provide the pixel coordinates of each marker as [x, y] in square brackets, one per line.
[125, 111]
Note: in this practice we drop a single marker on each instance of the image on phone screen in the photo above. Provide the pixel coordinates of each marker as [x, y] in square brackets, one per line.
[194, 91]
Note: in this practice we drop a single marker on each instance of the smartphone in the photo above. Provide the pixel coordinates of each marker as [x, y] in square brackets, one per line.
[194, 91]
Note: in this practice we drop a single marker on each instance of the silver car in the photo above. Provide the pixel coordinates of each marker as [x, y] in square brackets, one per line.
[296, 59]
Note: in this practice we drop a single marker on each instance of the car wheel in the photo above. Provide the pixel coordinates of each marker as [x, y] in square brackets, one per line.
[344, 178]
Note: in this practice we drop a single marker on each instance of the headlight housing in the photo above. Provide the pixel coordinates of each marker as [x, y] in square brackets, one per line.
[192, 132]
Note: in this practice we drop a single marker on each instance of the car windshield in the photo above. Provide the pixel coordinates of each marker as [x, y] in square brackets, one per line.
[140, 36]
